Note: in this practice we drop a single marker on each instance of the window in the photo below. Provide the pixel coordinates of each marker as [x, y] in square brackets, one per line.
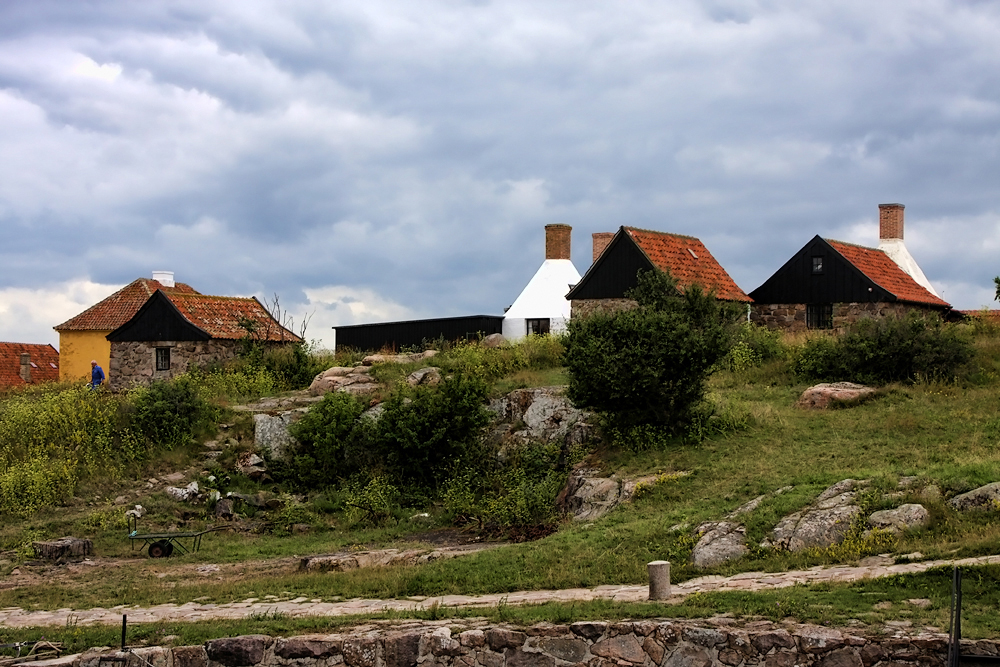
[163, 358]
[819, 316]
[817, 265]
[538, 326]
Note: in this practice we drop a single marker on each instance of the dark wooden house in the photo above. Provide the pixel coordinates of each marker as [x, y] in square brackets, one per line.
[618, 260]
[414, 333]
[173, 331]
[829, 284]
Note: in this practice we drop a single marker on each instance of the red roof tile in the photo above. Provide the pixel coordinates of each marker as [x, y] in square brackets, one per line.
[44, 359]
[885, 273]
[688, 260]
[117, 309]
[220, 316]
[982, 312]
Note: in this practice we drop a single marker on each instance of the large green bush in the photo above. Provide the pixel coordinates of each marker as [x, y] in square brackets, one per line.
[169, 413]
[649, 364]
[889, 349]
[421, 435]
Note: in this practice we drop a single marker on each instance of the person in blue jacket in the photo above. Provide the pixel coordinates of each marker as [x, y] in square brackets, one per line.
[96, 375]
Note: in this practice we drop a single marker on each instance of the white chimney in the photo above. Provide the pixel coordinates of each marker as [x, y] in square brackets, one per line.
[165, 278]
[891, 243]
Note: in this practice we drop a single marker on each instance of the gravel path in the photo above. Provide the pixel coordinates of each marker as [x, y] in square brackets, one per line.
[14, 617]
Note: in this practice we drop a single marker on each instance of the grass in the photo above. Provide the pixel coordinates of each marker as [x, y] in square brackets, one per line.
[945, 434]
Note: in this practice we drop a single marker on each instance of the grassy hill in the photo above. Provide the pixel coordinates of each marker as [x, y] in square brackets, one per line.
[946, 434]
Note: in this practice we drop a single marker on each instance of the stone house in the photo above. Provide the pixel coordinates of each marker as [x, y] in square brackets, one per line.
[619, 256]
[22, 364]
[173, 331]
[542, 307]
[84, 337]
[829, 284]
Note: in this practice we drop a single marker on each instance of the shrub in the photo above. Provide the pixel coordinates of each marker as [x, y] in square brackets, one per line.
[753, 345]
[235, 383]
[169, 413]
[425, 434]
[328, 445]
[373, 503]
[889, 349]
[649, 365]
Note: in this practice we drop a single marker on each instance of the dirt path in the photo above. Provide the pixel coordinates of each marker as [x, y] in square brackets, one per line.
[192, 612]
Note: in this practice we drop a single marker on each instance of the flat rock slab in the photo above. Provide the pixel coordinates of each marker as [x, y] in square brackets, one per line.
[720, 542]
[822, 524]
[985, 497]
[820, 396]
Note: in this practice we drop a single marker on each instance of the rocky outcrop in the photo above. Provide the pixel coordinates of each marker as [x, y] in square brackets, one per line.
[541, 414]
[719, 542]
[429, 376]
[821, 396]
[493, 340]
[904, 517]
[344, 562]
[398, 358]
[353, 380]
[822, 524]
[985, 497]
[651, 643]
[271, 434]
[587, 496]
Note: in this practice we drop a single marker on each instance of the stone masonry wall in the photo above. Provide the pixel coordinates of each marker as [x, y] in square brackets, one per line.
[585, 307]
[134, 363]
[792, 316]
[719, 642]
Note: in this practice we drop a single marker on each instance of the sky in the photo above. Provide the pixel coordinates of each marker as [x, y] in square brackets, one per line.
[377, 161]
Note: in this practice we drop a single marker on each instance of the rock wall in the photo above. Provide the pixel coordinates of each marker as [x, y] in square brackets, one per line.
[655, 643]
[792, 316]
[134, 362]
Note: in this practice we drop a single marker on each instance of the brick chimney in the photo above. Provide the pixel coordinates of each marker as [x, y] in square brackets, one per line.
[26, 367]
[601, 241]
[557, 238]
[890, 221]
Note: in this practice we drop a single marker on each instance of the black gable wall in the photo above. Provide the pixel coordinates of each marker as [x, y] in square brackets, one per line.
[615, 271]
[158, 320]
[839, 282]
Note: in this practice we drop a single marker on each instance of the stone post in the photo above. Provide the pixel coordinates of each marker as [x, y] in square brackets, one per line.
[659, 579]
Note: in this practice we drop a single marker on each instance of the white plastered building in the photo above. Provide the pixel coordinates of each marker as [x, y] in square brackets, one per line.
[542, 306]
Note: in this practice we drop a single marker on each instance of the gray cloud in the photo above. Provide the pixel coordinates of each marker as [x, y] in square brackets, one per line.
[407, 155]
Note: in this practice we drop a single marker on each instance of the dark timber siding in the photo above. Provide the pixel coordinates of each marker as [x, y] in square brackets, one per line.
[157, 320]
[396, 335]
[615, 271]
[840, 281]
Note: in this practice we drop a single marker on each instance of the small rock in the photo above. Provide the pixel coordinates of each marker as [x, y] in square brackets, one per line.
[923, 603]
[985, 497]
[429, 376]
[493, 340]
[720, 543]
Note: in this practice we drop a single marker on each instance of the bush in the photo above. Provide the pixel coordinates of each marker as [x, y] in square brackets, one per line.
[649, 365]
[421, 435]
[753, 346]
[328, 443]
[889, 349]
[424, 435]
[168, 414]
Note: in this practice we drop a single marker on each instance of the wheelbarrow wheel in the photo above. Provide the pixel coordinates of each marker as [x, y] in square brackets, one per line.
[170, 548]
[159, 549]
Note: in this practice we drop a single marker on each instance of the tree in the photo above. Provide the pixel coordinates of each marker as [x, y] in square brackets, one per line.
[648, 365]
[997, 281]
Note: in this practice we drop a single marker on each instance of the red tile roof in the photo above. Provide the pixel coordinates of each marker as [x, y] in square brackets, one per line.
[117, 309]
[982, 312]
[688, 260]
[220, 316]
[44, 360]
[885, 273]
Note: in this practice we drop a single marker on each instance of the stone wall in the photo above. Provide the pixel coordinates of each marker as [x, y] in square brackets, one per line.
[134, 363]
[718, 642]
[585, 307]
[792, 316]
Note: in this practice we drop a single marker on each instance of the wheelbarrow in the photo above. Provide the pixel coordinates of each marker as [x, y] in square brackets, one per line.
[161, 545]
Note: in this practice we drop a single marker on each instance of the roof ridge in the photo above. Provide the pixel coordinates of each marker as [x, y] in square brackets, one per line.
[854, 245]
[653, 231]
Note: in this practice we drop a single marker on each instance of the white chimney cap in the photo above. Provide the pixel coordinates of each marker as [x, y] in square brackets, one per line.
[165, 278]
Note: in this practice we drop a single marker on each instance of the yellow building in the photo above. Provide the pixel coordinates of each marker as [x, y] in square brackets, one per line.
[83, 338]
